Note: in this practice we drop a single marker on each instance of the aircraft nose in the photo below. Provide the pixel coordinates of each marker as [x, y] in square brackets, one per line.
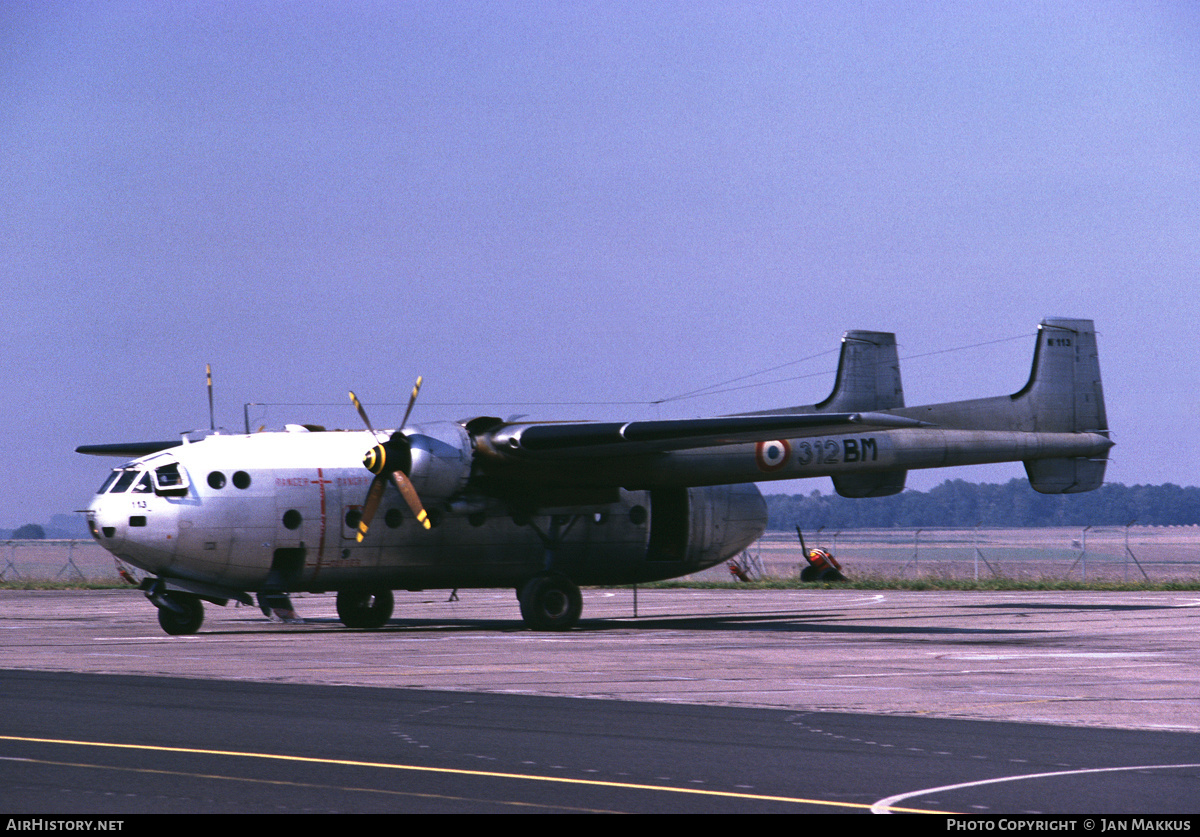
[103, 521]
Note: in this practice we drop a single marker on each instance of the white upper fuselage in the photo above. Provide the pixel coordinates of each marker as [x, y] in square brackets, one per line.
[223, 509]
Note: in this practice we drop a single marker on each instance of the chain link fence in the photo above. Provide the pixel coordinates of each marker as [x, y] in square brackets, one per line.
[1102, 553]
[1096, 554]
[56, 560]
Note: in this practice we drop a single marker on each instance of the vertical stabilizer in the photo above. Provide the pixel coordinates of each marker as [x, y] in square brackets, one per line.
[868, 380]
[1064, 395]
[868, 375]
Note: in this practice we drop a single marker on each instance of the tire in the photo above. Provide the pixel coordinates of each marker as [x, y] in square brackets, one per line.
[367, 609]
[551, 603]
[186, 622]
[809, 573]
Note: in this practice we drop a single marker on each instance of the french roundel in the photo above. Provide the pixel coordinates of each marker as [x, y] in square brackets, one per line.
[771, 456]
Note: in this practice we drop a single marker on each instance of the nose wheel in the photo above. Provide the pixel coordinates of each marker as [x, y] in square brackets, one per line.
[180, 613]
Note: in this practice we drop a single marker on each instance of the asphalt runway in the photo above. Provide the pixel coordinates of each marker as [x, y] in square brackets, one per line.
[731, 701]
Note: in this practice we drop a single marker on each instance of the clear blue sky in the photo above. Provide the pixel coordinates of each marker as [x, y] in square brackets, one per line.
[573, 210]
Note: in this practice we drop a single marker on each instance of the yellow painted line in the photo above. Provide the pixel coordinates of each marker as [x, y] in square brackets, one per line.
[311, 785]
[489, 774]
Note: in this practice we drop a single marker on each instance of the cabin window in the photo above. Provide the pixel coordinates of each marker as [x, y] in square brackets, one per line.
[393, 518]
[241, 479]
[216, 480]
[292, 519]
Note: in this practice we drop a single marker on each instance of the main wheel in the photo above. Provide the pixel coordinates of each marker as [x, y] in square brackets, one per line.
[365, 608]
[188, 620]
[550, 603]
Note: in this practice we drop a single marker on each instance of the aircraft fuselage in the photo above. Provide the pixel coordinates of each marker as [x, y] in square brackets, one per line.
[290, 500]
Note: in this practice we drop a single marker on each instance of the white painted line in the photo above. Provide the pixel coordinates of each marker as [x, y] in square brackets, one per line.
[884, 806]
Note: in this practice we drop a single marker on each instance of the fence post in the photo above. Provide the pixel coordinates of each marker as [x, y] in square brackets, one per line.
[12, 554]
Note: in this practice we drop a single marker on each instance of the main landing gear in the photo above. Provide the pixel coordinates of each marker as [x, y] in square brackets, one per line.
[550, 602]
[367, 609]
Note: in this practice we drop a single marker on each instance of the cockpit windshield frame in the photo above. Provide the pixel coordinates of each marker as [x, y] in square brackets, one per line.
[162, 475]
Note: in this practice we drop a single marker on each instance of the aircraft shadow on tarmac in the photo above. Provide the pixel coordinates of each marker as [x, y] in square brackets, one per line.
[1065, 606]
[774, 623]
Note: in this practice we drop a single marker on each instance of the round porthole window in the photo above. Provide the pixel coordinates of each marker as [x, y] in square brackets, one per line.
[241, 479]
[292, 519]
[216, 480]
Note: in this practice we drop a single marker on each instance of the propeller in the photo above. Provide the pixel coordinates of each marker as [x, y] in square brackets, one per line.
[391, 459]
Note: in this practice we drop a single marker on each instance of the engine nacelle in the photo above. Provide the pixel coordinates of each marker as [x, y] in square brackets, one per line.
[441, 460]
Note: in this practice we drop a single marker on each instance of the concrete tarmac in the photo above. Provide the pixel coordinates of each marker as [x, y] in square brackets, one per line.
[1121, 660]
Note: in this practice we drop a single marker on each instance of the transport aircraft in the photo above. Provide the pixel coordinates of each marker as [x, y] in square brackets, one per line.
[543, 507]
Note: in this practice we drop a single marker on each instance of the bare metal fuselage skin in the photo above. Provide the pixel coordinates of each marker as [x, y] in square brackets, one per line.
[545, 507]
[303, 489]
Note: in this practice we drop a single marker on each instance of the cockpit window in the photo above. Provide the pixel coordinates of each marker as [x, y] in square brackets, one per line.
[170, 479]
[123, 481]
[109, 481]
[143, 485]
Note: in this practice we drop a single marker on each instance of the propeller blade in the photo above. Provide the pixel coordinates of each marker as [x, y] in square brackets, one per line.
[412, 399]
[404, 484]
[374, 495]
[361, 412]
[389, 459]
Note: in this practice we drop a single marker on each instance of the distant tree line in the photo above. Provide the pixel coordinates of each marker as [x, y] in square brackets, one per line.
[961, 504]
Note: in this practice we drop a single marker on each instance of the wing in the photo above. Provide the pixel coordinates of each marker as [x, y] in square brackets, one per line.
[128, 450]
[640, 437]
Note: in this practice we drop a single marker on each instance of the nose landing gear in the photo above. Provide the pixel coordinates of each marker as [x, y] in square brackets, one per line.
[179, 613]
